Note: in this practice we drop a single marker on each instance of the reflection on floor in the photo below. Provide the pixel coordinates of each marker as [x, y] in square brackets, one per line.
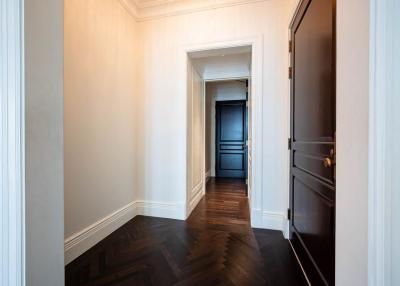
[215, 246]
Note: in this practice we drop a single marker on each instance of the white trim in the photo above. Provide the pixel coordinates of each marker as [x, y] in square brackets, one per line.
[83, 240]
[379, 193]
[161, 9]
[256, 42]
[12, 144]
[195, 200]
[78, 243]
[269, 220]
[208, 175]
[162, 209]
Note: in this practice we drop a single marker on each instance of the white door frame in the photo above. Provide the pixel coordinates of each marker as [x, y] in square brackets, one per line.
[382, 70]
[12, 130]
[256, 43]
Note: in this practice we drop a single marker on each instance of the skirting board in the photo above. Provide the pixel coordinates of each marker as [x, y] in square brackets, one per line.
[78, 243]
[195, 200]
[208, 176]
[269, 220]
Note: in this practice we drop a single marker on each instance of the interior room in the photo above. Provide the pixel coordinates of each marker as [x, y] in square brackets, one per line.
[199, 142]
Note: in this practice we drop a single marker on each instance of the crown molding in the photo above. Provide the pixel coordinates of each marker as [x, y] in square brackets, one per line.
[154, 9]
[131, 7]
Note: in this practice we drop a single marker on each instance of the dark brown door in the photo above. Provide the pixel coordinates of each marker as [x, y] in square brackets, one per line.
[313, 100]
[231, 136]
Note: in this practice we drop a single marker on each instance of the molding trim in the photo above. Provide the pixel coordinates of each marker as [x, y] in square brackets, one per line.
[12, 144]
[156, 9]
[199, 192]
[162, 209]
[269, 220]
[78, 243]
[382, 68]
[208, 176]
[83, 240]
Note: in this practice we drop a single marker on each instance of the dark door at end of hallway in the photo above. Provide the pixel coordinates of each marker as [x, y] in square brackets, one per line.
[231, 136]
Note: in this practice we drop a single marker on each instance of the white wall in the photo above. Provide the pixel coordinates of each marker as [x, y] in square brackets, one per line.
[352, 142]
[101, 102]
[163, 158]
[44, 142]
[221, 91]
[196, 138]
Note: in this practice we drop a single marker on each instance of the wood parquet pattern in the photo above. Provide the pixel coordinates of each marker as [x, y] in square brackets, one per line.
[215, 246]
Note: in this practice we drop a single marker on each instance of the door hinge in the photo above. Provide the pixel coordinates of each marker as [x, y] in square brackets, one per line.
[289, 214]
[290, 72]
[289, 143]
[290, 46]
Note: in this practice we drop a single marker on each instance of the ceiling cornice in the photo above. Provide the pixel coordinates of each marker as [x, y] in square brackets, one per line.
[154, 9]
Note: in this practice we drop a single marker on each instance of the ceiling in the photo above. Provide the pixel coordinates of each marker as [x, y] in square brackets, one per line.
[223, 63]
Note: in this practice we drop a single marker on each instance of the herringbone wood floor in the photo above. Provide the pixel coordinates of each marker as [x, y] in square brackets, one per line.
[215, 246]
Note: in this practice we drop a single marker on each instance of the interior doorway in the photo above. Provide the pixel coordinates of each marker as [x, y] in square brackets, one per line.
[219, 100]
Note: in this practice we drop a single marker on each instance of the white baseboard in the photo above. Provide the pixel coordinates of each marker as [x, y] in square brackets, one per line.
[83, 240]
[161, 209]
[80, 242]
[269, 220]
[208, 175]
[195, 200]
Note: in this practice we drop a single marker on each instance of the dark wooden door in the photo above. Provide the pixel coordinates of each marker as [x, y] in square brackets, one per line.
[313, 108]
[231, 136]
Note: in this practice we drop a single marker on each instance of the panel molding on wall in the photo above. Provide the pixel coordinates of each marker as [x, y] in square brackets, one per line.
[80, 242]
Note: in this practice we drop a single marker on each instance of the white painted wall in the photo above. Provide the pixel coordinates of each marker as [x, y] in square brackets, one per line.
[352, 142]
[221, 91]
[101, 103]
[163, 135]
[44, 142]
[196, 138]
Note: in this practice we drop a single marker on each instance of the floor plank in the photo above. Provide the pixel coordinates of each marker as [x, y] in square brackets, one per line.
[215, 246]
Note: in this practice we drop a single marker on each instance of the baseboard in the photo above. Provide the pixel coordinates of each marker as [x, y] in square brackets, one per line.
[195, 200]
[208, 176]
[161, 209]
[269, 220]
[80, 242]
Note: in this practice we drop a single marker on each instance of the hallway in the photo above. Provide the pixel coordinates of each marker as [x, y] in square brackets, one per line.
[215, 246]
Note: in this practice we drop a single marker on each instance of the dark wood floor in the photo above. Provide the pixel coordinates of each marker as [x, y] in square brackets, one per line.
[215, 246]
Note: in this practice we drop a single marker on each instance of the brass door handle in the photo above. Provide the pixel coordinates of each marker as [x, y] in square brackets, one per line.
[328, 162]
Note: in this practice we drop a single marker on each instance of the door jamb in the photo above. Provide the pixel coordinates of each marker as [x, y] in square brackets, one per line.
[382, 67]
[12, 142]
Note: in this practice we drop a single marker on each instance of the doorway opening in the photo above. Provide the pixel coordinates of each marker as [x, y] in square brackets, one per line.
[226, 127]
[219, 118]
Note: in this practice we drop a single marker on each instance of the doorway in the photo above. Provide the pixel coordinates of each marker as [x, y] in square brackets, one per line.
[219, 75]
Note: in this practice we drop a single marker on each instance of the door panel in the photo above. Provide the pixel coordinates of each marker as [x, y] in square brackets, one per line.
[313, 104]
[231, 134]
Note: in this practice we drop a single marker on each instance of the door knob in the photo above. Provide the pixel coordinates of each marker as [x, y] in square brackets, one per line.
[328, 162]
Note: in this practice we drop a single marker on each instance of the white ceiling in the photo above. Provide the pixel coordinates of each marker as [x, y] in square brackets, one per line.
[223, 63]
